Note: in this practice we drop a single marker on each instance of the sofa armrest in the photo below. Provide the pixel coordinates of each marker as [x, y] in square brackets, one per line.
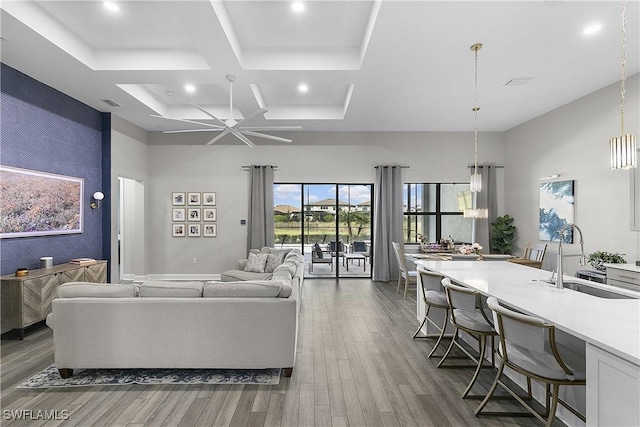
[241, 264]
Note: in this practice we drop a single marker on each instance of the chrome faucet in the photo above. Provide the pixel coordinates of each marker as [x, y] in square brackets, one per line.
[583, 258]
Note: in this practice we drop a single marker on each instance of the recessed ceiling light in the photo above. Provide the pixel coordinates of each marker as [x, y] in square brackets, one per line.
[189, 88]
[170, 93]
[297, 6]
[593, 28]
[113, 7]
[303, 88]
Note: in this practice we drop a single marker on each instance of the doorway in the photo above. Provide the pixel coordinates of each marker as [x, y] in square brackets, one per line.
[131, 230]
[330, 224]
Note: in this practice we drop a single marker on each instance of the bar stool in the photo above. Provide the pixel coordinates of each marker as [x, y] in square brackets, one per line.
[433, 296]
[467, 314]
[528, 346]
[410, 277]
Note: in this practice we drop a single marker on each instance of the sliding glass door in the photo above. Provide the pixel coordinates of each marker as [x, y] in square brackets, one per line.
[329, 223]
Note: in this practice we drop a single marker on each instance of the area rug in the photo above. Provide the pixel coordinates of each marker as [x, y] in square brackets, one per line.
[89, 377]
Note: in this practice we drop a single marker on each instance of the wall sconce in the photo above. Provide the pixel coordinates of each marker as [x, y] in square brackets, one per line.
[95, 199]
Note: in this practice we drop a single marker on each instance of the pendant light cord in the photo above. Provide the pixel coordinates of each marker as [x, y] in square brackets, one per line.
[624, 61]
[475, 112]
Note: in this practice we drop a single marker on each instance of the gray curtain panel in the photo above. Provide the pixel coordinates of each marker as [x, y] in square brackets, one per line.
[487, 198]
[261, 224]
[387, 226]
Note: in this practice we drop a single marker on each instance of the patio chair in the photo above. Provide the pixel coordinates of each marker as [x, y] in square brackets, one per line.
[317, 257]
[339, 253]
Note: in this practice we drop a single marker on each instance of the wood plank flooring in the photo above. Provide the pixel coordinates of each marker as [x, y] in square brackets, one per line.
[356, 366]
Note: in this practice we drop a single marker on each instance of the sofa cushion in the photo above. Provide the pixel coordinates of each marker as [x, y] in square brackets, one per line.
[246, 289]
[291, 266]
[238, 275]
[273, 260]
[157, 288]
[256, 263]
[295, 256]
[96, 290]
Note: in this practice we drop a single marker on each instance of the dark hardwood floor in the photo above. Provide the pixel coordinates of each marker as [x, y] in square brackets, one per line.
[356, 366]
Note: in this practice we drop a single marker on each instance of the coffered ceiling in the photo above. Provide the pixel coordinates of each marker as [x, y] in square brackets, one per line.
[368, 65]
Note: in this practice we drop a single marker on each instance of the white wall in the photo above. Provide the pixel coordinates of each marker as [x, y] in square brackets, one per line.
[129, 159]
[573, 141]
[314, 157]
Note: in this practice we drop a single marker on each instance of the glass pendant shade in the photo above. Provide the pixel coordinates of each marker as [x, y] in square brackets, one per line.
[475, 182]
[623, 152]
[479, 213]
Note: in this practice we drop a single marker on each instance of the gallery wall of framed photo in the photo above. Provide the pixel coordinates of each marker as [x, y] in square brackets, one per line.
[194, 214]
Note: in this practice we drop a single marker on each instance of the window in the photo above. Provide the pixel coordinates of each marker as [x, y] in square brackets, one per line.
[432, 210]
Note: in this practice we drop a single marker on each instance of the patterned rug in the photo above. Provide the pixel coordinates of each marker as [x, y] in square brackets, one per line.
[90, 377]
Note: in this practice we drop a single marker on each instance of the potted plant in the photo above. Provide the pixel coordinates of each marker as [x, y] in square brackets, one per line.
[599, 258]
[503, 234]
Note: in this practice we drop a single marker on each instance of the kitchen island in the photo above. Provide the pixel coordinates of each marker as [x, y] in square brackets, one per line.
[608, 329]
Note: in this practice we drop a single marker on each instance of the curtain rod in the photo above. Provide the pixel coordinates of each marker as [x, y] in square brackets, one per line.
[249, 167]
[401, 167]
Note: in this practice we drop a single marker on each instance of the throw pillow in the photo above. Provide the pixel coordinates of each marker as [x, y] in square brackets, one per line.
[317, 250]
[256, 263]
[273, 260]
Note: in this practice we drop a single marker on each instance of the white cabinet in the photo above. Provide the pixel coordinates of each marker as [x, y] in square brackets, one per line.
[623, 276]
[613, 389]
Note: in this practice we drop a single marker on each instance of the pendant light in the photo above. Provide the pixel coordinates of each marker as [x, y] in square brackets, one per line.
[475, 181]
[623, 147]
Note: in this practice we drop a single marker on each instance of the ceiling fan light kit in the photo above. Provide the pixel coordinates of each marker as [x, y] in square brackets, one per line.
[230, 125]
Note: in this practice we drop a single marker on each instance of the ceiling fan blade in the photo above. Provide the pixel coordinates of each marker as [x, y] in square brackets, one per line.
[243, 138]
[251, 116]
[265, 136]
[186, 121]
[224, 132]
[215, 119]
[193, 130]
[270, 128]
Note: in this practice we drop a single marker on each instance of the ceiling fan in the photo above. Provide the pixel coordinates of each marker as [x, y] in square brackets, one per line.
[231, 125]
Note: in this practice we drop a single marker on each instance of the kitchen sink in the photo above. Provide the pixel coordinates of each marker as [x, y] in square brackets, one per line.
[590, 290]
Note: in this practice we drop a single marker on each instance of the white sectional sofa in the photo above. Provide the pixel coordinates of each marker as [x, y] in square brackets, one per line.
[242, 324]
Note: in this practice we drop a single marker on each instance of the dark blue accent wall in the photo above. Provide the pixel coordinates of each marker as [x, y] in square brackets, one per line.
[45, 130]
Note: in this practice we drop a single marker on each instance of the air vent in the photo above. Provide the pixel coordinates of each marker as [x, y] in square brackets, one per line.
[111, 102]
[518, 81]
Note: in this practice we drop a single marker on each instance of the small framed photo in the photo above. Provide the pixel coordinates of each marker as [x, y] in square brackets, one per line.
[208, 199]
[209, 214]
[178, 214]
[193, 214]
[193, 199]
[210, 230]
[178, 199]
[178, 230]
[193, 230]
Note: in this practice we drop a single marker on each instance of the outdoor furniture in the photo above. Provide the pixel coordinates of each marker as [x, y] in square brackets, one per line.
[339, 252]
[351, 256]
[317, 257]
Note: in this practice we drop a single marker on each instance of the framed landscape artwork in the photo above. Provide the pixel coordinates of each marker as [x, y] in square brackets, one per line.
[208, 199]
[178, 199]
[209, 214]
[177, 230]
[178, 214]
[193, 199]
[34, 203]
[557, 208]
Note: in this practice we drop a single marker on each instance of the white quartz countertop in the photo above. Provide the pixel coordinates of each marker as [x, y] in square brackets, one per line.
[611, 324]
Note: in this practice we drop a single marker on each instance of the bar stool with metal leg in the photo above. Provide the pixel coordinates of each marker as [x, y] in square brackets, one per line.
[433, 296]
[528, 346]
[467, 314]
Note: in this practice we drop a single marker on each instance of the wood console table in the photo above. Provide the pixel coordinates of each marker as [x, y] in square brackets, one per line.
[27, 300]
